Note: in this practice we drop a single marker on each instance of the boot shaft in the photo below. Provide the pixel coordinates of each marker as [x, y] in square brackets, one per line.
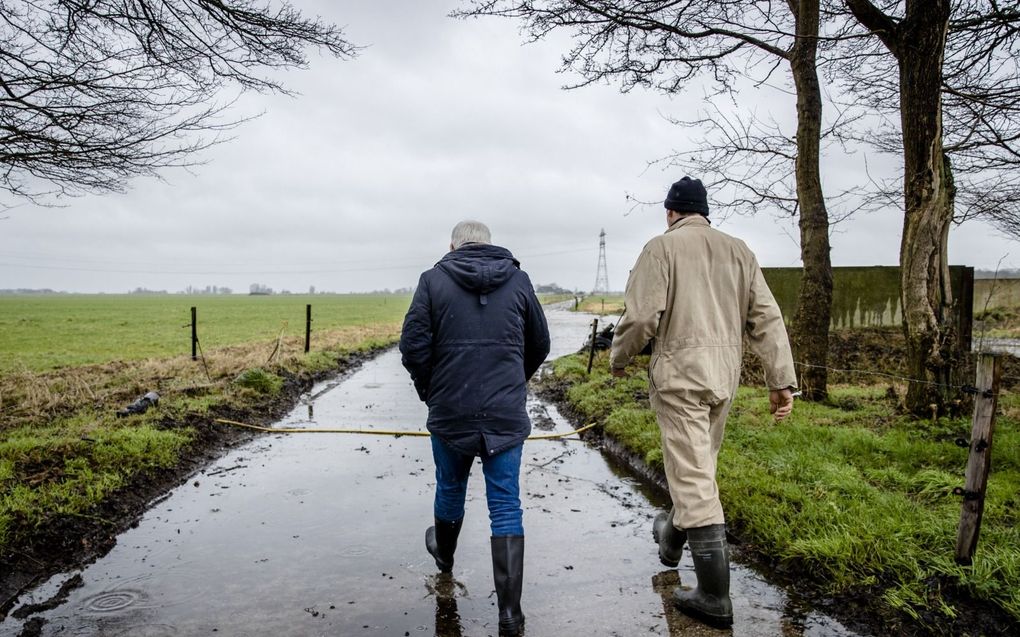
[710, 601]
[508, 577]
[441, 542]
[446, 536]
[669, 538]
[711, 554]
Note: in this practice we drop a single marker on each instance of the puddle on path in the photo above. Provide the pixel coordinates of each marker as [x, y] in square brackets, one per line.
[323, 535]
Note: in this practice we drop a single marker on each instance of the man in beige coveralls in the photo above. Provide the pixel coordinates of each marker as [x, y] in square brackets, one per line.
[697, 291]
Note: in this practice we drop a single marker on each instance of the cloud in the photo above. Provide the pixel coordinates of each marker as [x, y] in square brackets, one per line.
[355, 184]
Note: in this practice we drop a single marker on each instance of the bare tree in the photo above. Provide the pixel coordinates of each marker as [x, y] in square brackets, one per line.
[665, 44]
[949, 70]
[94, 92]
[980, 106]
[981, 100]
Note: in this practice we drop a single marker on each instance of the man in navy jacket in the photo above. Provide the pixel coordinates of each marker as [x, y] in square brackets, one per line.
[474, 335]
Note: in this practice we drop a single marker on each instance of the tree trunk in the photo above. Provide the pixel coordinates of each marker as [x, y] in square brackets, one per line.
[929, 196]
[814, 306]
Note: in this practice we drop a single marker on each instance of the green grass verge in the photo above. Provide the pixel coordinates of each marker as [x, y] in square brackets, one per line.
[73, 464]
[848, 489]
[260, 381]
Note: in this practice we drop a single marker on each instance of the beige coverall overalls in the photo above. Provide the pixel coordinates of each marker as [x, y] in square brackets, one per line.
[697, 291]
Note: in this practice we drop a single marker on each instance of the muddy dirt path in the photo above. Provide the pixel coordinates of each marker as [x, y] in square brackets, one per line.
[313, 534]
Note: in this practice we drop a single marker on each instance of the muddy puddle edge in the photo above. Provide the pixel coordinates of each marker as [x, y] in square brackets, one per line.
[75, 542]
[859, 611]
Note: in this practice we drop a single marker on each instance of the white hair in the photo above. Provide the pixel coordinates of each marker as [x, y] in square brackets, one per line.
[470, 232]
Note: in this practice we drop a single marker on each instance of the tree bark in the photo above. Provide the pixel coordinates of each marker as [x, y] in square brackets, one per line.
[918, 43]
[929, 196]
[814, 307]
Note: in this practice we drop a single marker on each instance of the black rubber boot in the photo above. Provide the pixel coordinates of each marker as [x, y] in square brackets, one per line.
[669, 538]
[441, 542]
[508, 575]
[710, 601]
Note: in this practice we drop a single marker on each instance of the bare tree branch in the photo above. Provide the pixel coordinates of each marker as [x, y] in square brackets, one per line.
[665, 44]
[95, 92]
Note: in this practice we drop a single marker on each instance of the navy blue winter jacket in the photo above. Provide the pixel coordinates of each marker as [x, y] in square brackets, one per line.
[473, 336]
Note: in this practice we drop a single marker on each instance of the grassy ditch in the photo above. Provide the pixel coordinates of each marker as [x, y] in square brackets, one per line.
[849, 491]
[64, 452]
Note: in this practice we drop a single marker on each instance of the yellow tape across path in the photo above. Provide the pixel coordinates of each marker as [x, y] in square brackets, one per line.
[378, 432]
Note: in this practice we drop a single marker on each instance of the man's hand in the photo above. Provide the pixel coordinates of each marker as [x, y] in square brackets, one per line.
[619, 372]
[781, 402]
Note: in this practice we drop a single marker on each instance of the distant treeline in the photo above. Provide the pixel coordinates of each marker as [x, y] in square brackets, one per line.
[552, 288]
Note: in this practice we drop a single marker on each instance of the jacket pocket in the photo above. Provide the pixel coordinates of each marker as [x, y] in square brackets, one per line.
[655, 379]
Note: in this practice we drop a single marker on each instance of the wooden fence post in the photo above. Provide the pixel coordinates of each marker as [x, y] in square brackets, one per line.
[308, 327]
[594, 331]
[979, 461]
[194, 333]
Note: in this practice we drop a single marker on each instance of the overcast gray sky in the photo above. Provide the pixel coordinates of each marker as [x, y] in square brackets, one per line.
[355, 184]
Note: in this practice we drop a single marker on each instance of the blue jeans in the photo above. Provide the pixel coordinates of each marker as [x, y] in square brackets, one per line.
[502, 486]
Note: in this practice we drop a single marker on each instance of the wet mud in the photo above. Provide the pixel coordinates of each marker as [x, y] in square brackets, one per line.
[324, 535]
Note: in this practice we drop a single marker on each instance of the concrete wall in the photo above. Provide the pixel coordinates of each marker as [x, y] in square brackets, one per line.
[861, 296]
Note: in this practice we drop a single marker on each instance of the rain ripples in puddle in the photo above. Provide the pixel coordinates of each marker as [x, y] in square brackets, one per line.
[113, 601]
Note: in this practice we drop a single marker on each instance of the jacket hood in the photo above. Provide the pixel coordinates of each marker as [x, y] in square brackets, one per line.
[479, 268]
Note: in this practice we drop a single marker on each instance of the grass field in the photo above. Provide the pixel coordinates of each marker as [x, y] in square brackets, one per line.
[996, 293]
[67, 363]
[850, 489]
[51, 332]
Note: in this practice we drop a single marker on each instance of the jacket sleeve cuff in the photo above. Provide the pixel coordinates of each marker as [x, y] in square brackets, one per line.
[783, 383]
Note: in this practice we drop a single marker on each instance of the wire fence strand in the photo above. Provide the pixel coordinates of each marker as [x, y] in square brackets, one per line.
[868, 372]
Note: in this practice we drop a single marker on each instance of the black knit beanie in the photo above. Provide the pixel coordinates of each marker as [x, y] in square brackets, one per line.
[687, 195]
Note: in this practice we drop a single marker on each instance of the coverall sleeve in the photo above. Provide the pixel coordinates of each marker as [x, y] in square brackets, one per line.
[416, 339]
[766, 334]
[644, 302]
[536, 334]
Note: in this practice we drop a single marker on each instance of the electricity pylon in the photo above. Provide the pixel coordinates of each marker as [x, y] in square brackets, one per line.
[602, 277]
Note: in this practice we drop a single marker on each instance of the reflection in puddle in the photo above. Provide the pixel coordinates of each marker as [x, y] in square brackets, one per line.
[665, 583]
[446, 590]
